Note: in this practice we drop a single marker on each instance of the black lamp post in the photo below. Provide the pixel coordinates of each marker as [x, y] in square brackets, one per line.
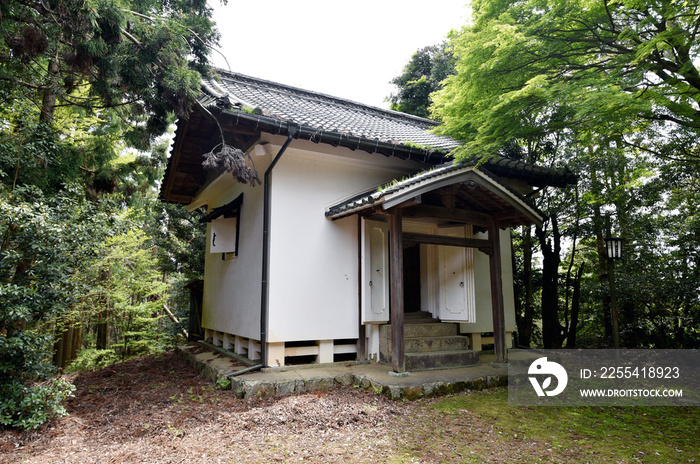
[613, 248]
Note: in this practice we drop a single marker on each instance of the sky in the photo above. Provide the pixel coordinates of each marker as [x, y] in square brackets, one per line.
[348, 49]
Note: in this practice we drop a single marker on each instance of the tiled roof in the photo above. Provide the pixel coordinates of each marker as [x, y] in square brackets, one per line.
[430, 177]
[284, 110]
[323, 112]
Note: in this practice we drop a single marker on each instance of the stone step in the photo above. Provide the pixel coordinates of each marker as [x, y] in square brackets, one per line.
[441, 360]
[429, 330]
[440, 343]
[429, 345]
[422, 330]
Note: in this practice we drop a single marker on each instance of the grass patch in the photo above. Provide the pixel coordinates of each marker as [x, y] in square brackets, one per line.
[594, 434]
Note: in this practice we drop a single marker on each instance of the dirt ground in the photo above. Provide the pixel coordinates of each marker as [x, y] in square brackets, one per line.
[157, 409]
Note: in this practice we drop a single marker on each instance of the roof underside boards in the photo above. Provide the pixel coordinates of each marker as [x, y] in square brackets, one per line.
[475, 197]
[184, 175]
[245, 107]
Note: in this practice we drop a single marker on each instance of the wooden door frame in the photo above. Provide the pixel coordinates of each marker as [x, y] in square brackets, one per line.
[490, 246]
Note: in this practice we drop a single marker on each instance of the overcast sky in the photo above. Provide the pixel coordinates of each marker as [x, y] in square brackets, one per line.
[349, 49]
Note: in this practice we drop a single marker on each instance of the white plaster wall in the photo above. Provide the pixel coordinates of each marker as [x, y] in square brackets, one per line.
[482, 281]
[313, 287]
[232, 287]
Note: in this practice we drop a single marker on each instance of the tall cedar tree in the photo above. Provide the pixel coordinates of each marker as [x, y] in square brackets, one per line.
[78, 81]
[142, 58]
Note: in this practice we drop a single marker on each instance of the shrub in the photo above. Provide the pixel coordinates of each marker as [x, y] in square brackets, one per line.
[92, 360]
[29, 406]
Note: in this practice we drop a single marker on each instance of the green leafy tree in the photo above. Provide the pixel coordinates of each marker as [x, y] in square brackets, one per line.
[422, 76]
[95, 77]
[135, 288]
[142, 58]
[43, 243]
[80, 82]
[613, 88]
[623, 69]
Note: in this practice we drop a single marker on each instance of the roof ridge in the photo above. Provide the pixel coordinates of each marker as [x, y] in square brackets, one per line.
[298, 91]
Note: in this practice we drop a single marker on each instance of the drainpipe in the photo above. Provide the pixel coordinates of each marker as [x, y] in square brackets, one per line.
[264, 304]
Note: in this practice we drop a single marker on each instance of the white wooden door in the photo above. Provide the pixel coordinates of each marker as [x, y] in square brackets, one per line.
[375, 271]
[457, 301]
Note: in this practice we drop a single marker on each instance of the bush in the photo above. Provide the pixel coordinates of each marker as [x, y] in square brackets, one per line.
[92, 360]
[28, 407]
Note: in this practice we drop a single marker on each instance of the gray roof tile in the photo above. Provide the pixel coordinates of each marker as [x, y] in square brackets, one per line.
[324, 112]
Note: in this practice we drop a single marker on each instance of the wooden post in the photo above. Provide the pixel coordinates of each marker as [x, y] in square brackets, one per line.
[499, 324]
[396, 291]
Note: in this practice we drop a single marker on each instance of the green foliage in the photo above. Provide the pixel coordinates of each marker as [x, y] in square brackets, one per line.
[90, 359]
[44, 241]
[180, 239]
[126, 275]
[28, 407]
[32, 152]
[86, 90]
[609, 68]
[422, 76]
[141, 59]
[609, 90]
[223, 383]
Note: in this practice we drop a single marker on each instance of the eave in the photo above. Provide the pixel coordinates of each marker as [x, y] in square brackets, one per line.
[476, 197]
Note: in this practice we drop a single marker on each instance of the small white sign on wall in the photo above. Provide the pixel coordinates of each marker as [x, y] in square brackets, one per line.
[223, 235]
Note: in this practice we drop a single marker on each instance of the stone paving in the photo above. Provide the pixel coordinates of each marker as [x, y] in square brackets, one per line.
[219, 365]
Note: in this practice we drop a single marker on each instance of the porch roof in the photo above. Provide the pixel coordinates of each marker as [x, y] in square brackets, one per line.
[480, 193]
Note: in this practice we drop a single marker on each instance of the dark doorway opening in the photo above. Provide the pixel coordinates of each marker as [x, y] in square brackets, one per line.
[411, 279]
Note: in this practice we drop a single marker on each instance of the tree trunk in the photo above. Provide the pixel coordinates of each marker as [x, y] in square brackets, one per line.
[518, 290]
[102, 340]
[551, 327]
[102, 330]
[526, 320]
[58, 350]
[603, 272]
[575, 306]
[67, 345]
[76, 342]
[48, 103]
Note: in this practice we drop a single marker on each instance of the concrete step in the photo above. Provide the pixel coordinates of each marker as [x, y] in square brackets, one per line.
[440, 343]
[441, 360]
[429, 345]
[427, 329]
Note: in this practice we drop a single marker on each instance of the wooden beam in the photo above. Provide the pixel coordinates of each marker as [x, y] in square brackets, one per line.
[497, 305]
[485, 246]
[448, 196]
[396, 291]
[415, 201]
[458, 215]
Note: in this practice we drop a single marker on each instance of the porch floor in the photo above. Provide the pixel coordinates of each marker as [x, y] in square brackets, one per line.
[313, 377]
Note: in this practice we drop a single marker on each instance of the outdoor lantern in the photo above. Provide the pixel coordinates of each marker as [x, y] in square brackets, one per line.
[613, 246]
